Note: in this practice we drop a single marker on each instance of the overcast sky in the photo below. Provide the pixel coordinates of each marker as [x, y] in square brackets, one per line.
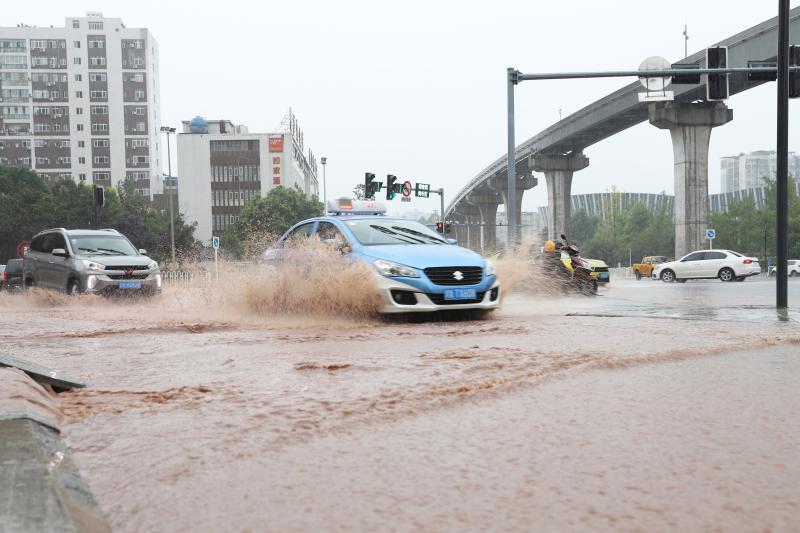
[417, 88]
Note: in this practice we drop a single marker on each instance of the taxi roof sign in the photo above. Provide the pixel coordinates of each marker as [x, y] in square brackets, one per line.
[348, 206]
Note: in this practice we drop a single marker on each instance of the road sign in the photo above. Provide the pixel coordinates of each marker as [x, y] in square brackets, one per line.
[711, 234]
[406, 189]
[422, 190]
[215, 243]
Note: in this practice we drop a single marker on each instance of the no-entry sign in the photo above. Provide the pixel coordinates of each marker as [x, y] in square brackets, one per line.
[406, 189]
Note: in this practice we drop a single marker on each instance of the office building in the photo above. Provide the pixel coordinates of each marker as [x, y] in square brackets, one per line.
[81, 101]
[223, 166]
[747, 171]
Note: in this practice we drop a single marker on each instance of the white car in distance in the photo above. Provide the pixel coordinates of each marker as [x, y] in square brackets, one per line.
[726, 265]
[792, 268]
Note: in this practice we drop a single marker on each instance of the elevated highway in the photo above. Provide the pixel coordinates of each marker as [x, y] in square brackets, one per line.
[558, 150]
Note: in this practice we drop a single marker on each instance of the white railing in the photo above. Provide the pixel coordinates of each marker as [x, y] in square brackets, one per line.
[186, 278]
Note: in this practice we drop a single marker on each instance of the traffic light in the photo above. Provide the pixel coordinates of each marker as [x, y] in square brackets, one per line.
[440, 227]
[369, 186]
[717, 84]
[390, 188]
[99, 196]
[794, 77]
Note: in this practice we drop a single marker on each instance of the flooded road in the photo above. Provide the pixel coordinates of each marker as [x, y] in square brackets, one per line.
[650, 407]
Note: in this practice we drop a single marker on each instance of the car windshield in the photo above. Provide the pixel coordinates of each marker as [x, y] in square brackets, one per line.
[737, 254]
[101, 245]
[375, 231]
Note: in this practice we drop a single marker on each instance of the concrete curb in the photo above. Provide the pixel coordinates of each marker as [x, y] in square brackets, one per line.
[40, 487]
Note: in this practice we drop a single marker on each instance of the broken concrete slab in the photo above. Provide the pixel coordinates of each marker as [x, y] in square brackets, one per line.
[59, 381]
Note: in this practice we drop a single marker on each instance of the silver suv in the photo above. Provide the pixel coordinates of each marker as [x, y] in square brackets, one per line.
[89, 261]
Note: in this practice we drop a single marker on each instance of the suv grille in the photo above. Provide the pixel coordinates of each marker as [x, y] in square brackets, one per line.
[438, 299]
[448, 276]
[600, 269]
[118, 272]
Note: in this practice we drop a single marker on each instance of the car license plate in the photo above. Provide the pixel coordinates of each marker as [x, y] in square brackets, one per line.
[130, 284]
[460, 294]
[604, 275]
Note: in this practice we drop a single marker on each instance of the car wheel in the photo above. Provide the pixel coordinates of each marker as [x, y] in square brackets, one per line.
[637, 274]
[29, 283]
[73, 287]
[726, 274]
[668, 276]
[791, 274]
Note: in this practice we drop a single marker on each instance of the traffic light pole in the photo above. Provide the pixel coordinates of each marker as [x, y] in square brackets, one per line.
[782, 181]
[783, 69]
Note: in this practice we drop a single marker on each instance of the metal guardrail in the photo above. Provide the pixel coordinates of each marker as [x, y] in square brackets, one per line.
[186, 278]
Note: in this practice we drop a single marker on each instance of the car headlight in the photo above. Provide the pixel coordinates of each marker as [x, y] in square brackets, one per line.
[152, 266]
[491, 270]
[390, 269]
[91, 265]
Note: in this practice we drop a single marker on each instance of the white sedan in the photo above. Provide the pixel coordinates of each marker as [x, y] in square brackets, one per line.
[792, 268]
[726, 265]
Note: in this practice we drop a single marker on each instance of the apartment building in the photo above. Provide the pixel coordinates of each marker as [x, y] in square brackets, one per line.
[82, 101]
[222, 166]
[747, 171]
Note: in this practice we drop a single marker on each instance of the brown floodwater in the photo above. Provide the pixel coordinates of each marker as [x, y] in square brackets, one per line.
[650, 407]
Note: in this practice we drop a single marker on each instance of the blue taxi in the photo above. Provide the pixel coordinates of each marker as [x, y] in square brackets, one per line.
[416, 269]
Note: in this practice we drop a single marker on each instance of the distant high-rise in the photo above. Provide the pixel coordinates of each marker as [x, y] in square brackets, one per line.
[82, 101]
[747, 171]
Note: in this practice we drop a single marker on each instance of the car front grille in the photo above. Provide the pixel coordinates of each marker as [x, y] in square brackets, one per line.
[438, 299]
[448, 276]
[600, 269]
[123, 276]
[121, 268]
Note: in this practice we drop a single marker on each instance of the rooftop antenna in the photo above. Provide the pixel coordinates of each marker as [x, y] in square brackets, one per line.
[685, 41]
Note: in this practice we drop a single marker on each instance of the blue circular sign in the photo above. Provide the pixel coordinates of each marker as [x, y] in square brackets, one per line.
[711, 234]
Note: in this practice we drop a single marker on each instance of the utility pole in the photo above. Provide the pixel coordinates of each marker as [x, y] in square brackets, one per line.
[169, 130]
[511, 195]
[324, 161]
[782, 234]
[685, 41]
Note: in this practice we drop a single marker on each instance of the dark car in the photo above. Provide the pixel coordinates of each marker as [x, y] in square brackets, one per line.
[12, 276]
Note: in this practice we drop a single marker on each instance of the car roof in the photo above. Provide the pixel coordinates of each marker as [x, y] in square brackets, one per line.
[82, 232]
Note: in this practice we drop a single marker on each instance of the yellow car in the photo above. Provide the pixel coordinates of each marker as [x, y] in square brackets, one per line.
[599, 267]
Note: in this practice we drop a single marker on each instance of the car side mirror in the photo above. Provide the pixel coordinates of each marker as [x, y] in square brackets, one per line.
[142, 251]
[60, 252]
[452, 241]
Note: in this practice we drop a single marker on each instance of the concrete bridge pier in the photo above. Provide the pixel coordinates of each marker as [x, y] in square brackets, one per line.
[558, 170]
[690, 126]
[483, 213]
[499, 185]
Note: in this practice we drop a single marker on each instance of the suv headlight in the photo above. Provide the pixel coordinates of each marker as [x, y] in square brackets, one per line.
[152, 266]
[91, 265]
[390, 269]
[490, 269]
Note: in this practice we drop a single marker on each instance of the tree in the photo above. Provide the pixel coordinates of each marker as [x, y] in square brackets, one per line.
[358, 191]
[263, 219]
[28, 206]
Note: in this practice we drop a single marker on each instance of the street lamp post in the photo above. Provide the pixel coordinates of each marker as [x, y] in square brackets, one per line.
[324, 160]
[169, 130]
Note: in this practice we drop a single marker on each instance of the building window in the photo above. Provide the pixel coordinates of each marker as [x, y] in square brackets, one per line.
[78, 94]
[97, 76]
[82, 177]
[38, 45]
[76, 24]
[140, 159]
[99, 94]
[101, 159]
[99, 110]
[79, 127]
[101, 176]
[79, 111]
[138, 61]
[100, 126]
[97, 61]
[139, 143]
[139, 94]
[100, 143]
[82, 160]
[78, 77]
[76, 60]
[76, 44]
[81, 144]
[96, 43]
[95, 25]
